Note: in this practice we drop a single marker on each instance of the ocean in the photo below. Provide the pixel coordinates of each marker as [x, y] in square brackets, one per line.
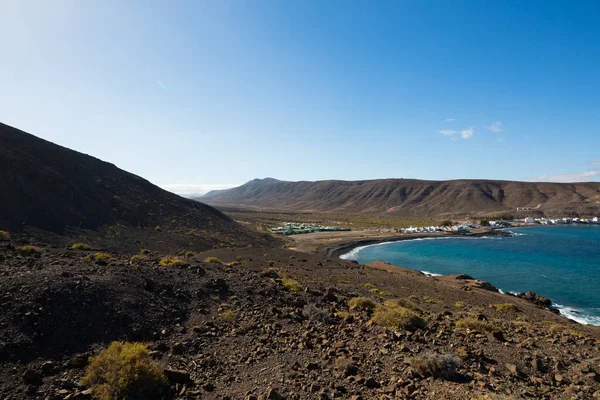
[559, 262]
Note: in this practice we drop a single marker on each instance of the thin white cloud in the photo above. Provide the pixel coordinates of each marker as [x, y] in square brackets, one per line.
[447, 132]
[495, 126]
[467, 133]
[450, 120]
[187, 189]
[586, 176]
[595, 162]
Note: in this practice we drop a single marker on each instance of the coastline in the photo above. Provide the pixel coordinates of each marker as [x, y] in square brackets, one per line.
[339, 250]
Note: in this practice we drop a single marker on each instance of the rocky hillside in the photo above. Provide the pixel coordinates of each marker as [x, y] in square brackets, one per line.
[410, 197]
[46, 188]
[274, 324]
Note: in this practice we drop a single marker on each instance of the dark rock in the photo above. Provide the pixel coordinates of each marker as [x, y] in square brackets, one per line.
[372, 383]
[177, 376]
[274, 395]
[32, 377]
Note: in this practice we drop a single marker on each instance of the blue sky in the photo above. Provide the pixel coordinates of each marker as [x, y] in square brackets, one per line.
[204, 94]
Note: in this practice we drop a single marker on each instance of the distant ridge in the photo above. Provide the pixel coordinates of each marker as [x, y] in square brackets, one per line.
[412, 197]
[50, 188]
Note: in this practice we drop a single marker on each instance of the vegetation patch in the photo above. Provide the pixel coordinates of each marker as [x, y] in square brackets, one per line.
[442, 366]
[505, 308]
[291, 285]
[397, 317]
[145, 251]
[361, 303]
[227, 315]
[475, 325]
[213, 260]
[170, 261]
[28, 250]
[380, 292]
[124, 371]
[458, 304]
[5, 236]
[137, 259]
[80, 246]
[403, 303]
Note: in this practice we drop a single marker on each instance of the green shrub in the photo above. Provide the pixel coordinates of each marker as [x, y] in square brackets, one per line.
[397, 317]
[380, 292]
[28, 250]
[80, 246]
[403, 303]
[145, 251]
[158, 228]
[213, 260]
[104, 257]
[291, 285]
[361, 303]
[124, 371]
[5, 236]
[169, 261]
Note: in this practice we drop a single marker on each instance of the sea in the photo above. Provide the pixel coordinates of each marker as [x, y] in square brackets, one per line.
[559, 262]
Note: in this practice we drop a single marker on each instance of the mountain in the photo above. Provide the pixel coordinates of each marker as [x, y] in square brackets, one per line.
[47, 188]
[244, 190]
[411, 197]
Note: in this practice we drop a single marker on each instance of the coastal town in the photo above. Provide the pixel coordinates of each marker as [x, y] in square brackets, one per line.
[297, 228]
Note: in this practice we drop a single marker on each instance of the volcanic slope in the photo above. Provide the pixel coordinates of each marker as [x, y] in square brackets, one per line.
[50, 191]
[410, 197]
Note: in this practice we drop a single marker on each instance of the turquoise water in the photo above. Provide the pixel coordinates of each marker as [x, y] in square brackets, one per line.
[559, 262]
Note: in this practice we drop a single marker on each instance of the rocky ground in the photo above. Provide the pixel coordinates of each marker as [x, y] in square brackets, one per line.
[269, 323]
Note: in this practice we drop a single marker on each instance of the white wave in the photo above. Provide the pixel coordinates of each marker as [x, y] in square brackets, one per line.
[577, 315]
[430, 273]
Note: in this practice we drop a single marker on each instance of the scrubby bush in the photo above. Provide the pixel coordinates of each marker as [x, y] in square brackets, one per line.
[4, 236]
[145, 251]
[403, 303]
[361, 303]
[28, 250]
[458, 304]
[213, 260]
[158, 228]
[169, 261]
[99, 257]
[397, 317]
[380, 292]
[124, 371]
[227, 315]
[436, 365]
[190, 254]
[505, 308]
[137, 258]
[80, 246]
[291, 285]
[476, 325]
[314, 313]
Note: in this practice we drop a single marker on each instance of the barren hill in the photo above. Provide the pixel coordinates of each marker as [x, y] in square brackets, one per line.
[48, 188]
[411, 197]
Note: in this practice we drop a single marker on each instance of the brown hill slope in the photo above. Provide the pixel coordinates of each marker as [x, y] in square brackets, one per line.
[48, 188]
[410, 197]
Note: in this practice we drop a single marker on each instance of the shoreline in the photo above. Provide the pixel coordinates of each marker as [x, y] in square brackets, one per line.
[338, 250]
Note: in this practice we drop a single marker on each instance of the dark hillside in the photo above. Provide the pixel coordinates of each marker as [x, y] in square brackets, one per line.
[46, 187]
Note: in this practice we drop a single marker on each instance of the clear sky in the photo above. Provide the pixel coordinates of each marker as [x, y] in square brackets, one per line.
[195, 95]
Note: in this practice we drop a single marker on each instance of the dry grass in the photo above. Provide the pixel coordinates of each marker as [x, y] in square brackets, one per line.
[475, 325]
[80, 246]
[124, 371]
[170, 261]
[28, 250]
[228, 315]
[213, 260]
[397, 317]
[506, 308]
[361, 303]
[4, 236]
[145, 251]
[436, 365]
[403, 303]
[291, 285]
[137, 259]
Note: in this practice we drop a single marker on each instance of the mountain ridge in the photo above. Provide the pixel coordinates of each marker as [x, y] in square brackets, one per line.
[414, 197]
